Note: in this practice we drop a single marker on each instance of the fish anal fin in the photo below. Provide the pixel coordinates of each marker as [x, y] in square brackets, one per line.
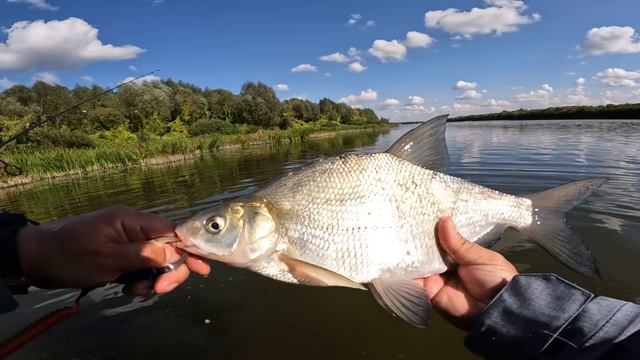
[313, 275]
[425, 145]
[404, 298]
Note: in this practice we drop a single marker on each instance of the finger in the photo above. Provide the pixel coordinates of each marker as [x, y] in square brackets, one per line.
[432, 285]
[149, 226]
[169, 281]
[198, 265]
[461, 250]
[143, 255]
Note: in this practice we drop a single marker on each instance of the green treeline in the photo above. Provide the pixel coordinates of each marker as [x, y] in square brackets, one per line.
[158, 108]
[141, 122]
[623, 111]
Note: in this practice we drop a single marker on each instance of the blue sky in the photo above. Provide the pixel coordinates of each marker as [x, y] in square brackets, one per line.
[460, 57]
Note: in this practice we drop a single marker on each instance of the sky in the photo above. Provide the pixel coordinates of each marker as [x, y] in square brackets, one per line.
[406, 59]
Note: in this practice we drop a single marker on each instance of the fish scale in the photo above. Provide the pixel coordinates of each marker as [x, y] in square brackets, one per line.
[379, 208]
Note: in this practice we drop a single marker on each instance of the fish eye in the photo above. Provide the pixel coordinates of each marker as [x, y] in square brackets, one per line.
[215, 224]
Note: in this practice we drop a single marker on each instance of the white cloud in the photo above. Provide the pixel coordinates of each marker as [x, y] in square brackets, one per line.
[133, 68]
[281, 87]
[87, 78]
[578, 94]
[620, 97]
[391, 102]
[365, 96]
[335, 57]
[578, 99]
[418, 109]
[327, 74]
[48, 77]
[506, 3]
[497, 103]
[354, 54]
[470, 95]
[57, 44]
[38, 4]
[353, 19]
[417, 39]
[304, 68]
[142, 80]
[610, 40]
[300, 97]
[6, 83]
[356, 67]
[156, 2]
[415, 100]
[542, 95]
[618, 77]
[388, 50]
[458, 107]
[491, 105]
[465, 85]
[502, 16]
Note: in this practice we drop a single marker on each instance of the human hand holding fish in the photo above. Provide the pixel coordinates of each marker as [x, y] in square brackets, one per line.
[96, 248]
[462, 294]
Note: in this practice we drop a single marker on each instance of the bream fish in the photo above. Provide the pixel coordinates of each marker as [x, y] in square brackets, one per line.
[370, 219]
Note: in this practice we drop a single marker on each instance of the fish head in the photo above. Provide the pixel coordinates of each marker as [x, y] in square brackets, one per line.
[236, 232]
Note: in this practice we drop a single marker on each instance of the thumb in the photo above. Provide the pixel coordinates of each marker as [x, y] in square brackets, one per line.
[461, 250]
[142, 255]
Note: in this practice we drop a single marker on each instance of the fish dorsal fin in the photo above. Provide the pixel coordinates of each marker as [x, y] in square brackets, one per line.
[313, 275]
[404, 298]
[425, 145]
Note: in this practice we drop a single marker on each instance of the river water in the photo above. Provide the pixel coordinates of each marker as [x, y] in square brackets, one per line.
[236, 314]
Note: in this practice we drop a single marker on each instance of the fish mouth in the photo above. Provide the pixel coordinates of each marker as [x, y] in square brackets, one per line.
[184, 242]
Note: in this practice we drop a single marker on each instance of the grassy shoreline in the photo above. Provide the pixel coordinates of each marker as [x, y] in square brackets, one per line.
[109, 154]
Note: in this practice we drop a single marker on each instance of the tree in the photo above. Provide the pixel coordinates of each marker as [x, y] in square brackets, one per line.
[221, 104]
[265, 97]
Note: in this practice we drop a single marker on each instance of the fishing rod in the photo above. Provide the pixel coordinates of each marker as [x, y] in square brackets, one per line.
[15, 170]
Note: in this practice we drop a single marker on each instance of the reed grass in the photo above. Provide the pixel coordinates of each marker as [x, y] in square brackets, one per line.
[110, 152]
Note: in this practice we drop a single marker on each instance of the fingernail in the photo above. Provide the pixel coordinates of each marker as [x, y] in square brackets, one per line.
[452, 225]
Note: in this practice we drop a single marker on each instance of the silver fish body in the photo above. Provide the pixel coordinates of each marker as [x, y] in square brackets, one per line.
[370, 219]
[365, 216]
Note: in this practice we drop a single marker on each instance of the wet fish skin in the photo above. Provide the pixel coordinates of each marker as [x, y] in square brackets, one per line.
[364, 216]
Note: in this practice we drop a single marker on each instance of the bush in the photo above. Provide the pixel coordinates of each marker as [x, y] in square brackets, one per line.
[65, 138]
[211, 126]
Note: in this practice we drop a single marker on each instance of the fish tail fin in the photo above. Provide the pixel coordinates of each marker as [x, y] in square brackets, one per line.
[549, 230]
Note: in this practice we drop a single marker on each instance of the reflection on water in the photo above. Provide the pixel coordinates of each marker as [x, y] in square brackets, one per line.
[237, 314]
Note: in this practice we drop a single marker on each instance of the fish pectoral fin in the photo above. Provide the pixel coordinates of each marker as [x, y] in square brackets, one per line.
[313, 275]
[425, 145]
[404, 298]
